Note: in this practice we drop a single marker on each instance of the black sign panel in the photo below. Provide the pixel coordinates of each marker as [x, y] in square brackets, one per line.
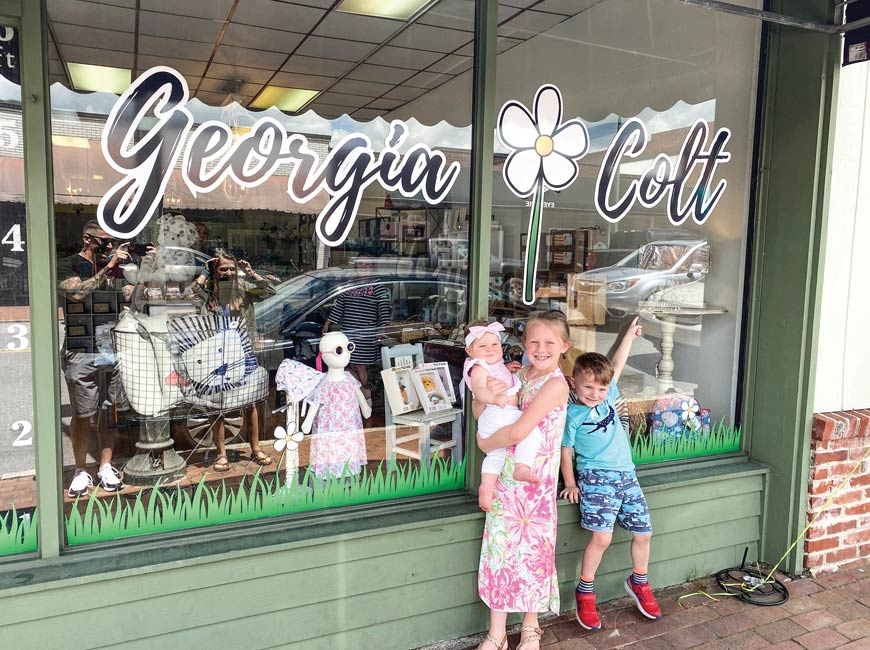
[856, 46]
[9, 64]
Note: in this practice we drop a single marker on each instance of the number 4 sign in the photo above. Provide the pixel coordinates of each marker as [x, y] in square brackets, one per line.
[13, 238]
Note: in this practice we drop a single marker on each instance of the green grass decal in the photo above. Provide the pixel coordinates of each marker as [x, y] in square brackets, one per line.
[17, 532]
[722, 439]
[163, 509]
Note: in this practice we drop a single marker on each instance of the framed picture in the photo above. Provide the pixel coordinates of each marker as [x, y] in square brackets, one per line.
[443, 371]
[77, 330]
[75, 308]
[399, 389]
[102, 308]
[430, 389]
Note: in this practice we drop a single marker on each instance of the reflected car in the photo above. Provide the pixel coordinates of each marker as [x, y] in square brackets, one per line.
[426, 306]
[645, 273]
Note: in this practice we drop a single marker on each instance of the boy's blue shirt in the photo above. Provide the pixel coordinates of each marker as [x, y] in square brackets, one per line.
[597, 435]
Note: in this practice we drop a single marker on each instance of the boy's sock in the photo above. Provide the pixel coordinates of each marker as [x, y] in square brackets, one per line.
[585, 586]
[639, 578]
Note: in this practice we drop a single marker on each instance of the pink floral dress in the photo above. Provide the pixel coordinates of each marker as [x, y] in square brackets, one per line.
[338, 442]
[518, 556]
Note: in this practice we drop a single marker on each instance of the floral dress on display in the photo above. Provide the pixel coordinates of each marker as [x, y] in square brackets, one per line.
[338, 442]
[518, 555]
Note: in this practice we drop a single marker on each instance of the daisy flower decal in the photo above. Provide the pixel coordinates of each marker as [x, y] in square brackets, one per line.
[543, 151]
[286, 440]
[690, 414]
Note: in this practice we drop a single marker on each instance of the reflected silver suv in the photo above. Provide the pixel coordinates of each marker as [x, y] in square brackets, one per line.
[645, 271]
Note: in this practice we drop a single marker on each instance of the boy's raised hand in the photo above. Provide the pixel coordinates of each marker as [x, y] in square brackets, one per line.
[635, 330]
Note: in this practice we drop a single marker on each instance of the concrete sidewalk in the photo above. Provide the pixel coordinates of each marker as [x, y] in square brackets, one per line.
[821, 613]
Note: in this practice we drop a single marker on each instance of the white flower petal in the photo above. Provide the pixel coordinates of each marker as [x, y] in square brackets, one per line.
[516, 128]
[280, 444]
[292, 446]
[548, 109]
[559, 172]
[571, 140]
[280, 432]
[297, 437]
[521, 171]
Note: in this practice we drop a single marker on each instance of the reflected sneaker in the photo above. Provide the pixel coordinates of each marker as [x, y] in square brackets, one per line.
[110, 478]
[587, 614]
[643, 598]
[81, 483]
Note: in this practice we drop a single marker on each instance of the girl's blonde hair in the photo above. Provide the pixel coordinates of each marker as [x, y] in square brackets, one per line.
[555, 319]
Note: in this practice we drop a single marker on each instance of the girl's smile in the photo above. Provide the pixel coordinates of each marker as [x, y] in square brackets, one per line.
[544, 346]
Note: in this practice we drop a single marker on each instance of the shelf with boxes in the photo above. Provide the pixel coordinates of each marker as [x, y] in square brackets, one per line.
[88, 323]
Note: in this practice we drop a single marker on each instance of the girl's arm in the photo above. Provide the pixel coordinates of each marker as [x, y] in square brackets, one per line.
[553, 394]
[478, 376]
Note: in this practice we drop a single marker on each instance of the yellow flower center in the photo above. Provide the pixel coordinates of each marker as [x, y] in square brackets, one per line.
[544, 145]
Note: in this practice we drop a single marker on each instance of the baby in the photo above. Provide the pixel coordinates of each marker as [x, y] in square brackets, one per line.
[483, 346]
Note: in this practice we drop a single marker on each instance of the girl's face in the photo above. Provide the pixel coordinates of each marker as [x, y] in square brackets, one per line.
[487, 348]
[544, 346]
[226, 269]
[589, 390]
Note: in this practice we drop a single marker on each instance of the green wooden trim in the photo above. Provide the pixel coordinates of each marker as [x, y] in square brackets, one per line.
[482, 145]
[10, 11]
[42, 276]
[798, 107]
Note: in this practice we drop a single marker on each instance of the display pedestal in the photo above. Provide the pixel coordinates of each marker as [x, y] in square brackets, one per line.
[156, 459]
[667, 317]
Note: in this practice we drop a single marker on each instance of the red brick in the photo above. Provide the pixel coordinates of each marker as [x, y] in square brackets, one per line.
[857, 629]
[860, 644]
[857, 538]
[780, 630]
[822, 640]
[857, 509]
[835, 557]
[840, 527]
[816, 620]
[828, 457]
[811, 561]
[819, 473]
[823, 544]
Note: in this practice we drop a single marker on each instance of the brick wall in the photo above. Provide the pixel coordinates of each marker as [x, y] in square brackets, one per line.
[840, 535]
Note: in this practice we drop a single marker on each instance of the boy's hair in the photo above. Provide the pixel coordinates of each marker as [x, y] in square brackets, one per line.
[596, 365]
[554, 318]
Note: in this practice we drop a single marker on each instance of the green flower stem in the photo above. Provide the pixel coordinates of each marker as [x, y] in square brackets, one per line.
[534, 243]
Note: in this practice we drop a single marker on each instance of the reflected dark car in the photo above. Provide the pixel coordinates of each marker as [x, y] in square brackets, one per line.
[426, 307]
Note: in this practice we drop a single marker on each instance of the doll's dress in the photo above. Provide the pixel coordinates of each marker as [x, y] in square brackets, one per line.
[338, 443]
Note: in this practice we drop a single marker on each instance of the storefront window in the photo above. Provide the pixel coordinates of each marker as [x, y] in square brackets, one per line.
[17, 485]
[621, 186]
[267, 213]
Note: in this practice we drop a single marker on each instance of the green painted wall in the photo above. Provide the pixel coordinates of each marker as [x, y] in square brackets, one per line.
[787, 261]
[392, 587]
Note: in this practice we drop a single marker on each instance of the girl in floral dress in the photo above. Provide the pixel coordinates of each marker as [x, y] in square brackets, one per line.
[518, 556]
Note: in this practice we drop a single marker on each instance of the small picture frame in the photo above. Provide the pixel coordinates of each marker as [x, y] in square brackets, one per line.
[399, 389]
[443, 370]
[75, 308]
[77, 330]
[102, 308]
[430, 389]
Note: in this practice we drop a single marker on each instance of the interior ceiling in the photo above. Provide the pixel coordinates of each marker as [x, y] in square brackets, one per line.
[231, 49]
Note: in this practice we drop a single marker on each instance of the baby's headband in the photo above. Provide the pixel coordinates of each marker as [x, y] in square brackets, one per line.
[476, 331]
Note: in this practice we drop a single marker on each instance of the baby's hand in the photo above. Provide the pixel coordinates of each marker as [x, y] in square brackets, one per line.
[571, 493]
[502, 400]
[495, 385]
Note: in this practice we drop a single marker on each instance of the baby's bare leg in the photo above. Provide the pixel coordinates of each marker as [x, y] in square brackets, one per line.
[525, 473]
[486, 490]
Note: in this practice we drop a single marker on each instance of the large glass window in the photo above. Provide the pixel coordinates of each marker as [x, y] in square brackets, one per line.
[17, 484]
[266, 212]
[627, 146]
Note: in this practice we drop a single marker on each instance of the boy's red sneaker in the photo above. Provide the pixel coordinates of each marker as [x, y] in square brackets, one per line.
[587, 614]
[643, 598]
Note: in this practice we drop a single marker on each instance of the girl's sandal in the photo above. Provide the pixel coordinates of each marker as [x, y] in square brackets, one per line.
[261, 458]
[498, 645]
[221, 464]
[532, 634]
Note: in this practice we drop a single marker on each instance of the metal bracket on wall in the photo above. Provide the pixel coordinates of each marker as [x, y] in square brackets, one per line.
[835, 28]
